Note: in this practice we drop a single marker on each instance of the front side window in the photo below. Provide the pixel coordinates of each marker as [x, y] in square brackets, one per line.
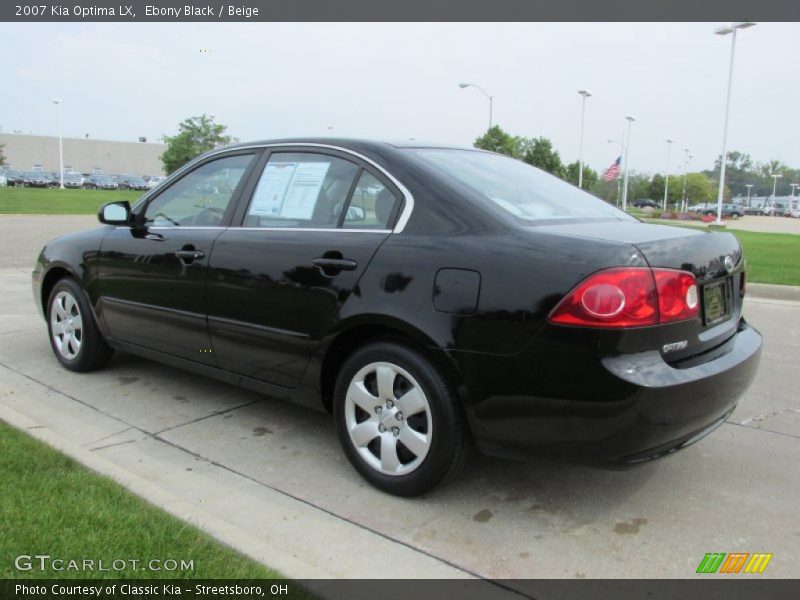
[201, 197]
[301, 189]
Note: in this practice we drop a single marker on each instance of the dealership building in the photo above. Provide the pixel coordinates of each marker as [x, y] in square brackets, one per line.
[29, 152]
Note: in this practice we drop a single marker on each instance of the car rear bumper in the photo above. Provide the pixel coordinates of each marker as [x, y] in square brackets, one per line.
[641, 408]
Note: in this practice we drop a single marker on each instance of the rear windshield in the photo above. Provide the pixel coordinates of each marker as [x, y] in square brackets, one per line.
[518, 188]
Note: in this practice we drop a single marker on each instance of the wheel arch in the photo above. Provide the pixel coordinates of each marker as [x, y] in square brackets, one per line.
[362, 331]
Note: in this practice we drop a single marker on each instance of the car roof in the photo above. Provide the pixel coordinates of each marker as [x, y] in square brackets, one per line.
[352, 143]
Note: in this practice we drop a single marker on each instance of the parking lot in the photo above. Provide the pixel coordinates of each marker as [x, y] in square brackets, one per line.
[270, 478]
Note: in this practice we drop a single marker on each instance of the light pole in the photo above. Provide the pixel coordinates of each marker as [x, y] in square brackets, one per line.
[58, 101]
[586, 94]
[749, 187]
[725, 30]
[482, 91]
[686, 157]
[630, 119]
[666, 173]
[775, 177]
[794, 188]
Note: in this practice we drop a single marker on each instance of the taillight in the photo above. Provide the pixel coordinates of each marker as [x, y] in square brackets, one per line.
[629, 297]
[677, 295]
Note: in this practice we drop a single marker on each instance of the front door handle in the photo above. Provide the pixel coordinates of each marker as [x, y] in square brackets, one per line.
[335, 264]
[189, 255]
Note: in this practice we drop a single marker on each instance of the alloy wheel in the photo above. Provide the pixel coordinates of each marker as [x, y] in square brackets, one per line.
[388, 418]
[66, 325]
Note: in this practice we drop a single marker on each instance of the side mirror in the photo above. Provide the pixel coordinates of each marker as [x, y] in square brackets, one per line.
[355, 213]
[115, 213]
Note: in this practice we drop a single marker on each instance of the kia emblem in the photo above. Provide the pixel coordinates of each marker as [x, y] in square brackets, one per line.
[729, 264]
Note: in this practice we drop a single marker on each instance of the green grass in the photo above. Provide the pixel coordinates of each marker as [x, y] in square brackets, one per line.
[44, 201]
[49, 504]
[771, 257]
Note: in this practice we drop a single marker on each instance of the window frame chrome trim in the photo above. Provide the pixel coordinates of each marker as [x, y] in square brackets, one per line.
[400, 224]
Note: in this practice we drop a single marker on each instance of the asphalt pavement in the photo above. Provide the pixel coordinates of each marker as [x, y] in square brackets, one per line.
[270, 479]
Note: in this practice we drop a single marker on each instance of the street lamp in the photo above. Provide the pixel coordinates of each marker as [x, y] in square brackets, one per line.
[775, 177]
[630, 119]
[586, 94]
[666, 173]
[686, 157]
[725, 30]
[482, 91]
[749, 187]
[58, 101]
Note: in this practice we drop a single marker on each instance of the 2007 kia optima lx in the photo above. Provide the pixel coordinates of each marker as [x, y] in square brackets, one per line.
[427, 296]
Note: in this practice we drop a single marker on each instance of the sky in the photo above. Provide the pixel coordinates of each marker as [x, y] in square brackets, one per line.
[400, 80]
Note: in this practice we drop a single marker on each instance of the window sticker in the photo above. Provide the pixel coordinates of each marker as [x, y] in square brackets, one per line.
[289, 190]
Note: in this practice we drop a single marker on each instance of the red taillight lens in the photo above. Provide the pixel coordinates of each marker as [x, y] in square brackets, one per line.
[677, 295]
[611, 298]
[629, 297]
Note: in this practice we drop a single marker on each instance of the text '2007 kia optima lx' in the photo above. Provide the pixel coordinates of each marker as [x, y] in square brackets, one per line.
[429, 297]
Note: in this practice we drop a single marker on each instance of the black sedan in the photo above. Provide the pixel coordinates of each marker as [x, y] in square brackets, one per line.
[429, 297]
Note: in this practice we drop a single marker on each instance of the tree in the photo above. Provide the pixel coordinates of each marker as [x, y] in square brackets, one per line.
[589, 175]
[497, 140]
[2, 156]
[195, 136]
[539, 152]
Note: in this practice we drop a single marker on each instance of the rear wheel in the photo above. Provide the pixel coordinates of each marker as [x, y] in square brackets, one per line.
[74, 336]
[398, 419]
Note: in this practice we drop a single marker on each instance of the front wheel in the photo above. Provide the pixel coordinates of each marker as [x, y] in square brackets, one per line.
[399, 420]
[74, 336]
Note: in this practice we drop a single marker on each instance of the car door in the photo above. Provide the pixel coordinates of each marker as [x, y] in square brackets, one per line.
[152, 275]
[310, 224]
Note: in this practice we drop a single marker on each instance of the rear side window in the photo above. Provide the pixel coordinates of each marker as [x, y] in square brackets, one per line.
[524, 191]
[301, 189]
[372, 206]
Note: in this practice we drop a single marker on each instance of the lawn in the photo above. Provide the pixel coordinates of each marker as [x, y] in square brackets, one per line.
[49, 504]
[771, 257]
[44, 201]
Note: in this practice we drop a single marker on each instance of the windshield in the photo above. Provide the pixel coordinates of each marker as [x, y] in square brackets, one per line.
[516, 187]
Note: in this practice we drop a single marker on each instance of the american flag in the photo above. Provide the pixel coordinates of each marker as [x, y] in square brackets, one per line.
[612, 172]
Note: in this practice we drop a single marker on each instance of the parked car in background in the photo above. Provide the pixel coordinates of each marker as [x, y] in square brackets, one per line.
[645, 203]
[135, 182]
[122, 180]
[794, 213]
[752, 210]
[426, 296]
[101, 182]
[731, 211]
[12, 176]
[38, 179]
[73, 180]
[155, 181]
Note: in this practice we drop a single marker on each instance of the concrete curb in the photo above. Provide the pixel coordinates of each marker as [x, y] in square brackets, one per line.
[770, 291]
[268, 547]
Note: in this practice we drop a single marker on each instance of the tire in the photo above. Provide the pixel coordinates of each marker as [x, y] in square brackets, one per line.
[401, 454]
[74, 337]
[735, 215]
[709, 213]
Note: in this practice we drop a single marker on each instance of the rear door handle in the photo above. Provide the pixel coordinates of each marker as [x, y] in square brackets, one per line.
[336, 264]
[189, 254]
